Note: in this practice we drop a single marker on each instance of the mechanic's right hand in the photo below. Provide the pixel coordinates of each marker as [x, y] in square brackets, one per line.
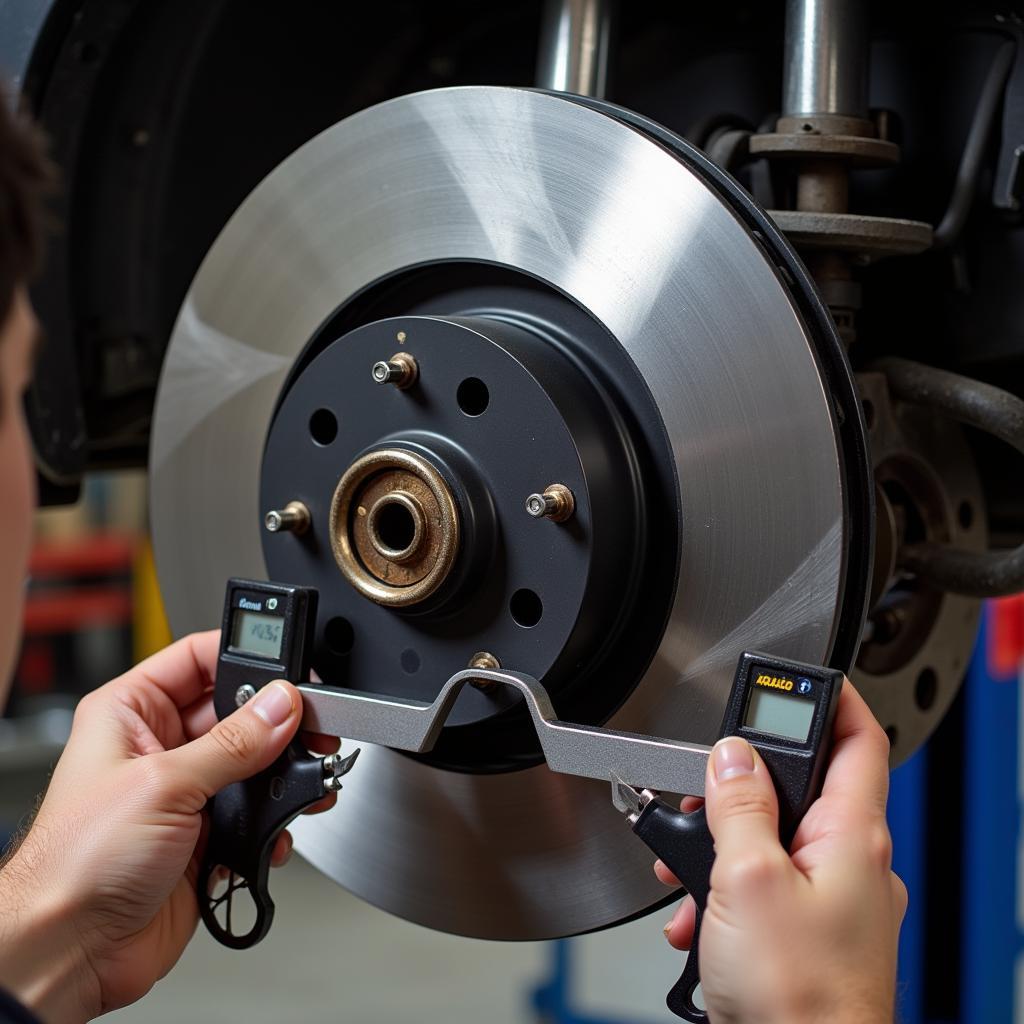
[809, 935]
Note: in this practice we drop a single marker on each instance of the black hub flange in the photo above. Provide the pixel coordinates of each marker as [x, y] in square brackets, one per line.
[499, 411]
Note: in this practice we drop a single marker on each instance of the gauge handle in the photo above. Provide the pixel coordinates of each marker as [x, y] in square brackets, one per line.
[245, 820]
[683, 843]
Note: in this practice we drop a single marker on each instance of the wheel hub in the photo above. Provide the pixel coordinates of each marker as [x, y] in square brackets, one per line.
[429, 526]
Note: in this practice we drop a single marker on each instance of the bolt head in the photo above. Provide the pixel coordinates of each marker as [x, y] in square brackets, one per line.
[244, 693]
[536, 506]
[381, 373]
[273, 521]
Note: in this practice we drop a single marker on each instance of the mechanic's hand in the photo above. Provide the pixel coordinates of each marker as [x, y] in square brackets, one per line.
[808, 935]
[99, 901]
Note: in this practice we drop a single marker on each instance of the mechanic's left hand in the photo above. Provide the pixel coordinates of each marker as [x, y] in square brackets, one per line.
[99, 901]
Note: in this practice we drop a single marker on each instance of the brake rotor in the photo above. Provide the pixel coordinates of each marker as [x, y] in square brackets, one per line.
[644, 328]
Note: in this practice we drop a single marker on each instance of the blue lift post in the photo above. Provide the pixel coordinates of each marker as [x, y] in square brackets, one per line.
[552, 1000]
[991, 939]
[986, 825]
[908, 825]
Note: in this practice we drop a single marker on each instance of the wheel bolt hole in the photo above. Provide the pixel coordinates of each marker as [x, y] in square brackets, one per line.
[472, 396]
[323, 427]
[965, 513]
[339, 635]
[926, 688]
[526, 608]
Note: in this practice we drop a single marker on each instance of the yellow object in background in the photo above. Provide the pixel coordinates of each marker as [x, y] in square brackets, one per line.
[151, 632]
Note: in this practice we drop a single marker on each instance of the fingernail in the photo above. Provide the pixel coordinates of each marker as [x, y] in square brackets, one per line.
[273, 704]
[668, 927]
[732, 757]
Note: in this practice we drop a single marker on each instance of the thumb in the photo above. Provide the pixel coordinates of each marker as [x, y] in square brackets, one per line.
[244, 743]
[742, 807]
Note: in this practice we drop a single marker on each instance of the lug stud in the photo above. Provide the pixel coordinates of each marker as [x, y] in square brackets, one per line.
[401, 370]
[555, 503]
[294, 518]
[486, 660]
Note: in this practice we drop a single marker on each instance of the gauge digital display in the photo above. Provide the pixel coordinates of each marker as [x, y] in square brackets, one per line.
[261, 635]
[780, 714]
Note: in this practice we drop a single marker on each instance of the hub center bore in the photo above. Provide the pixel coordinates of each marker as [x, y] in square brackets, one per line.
[394, 527]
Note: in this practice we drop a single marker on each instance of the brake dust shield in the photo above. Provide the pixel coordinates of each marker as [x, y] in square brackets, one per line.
[631, 231]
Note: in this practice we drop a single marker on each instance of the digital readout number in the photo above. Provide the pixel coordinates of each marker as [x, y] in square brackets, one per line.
[265, 632]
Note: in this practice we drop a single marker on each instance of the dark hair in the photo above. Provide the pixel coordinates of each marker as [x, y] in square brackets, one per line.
[25, 177]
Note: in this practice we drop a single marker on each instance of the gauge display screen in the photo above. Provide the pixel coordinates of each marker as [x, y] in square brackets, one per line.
[780, 714]
[253, 633]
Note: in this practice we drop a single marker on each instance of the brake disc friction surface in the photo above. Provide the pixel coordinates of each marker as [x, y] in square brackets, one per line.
[597, 210]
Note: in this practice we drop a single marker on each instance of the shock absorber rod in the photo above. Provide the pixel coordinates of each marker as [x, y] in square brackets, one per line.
[825, 59]
[574, 45]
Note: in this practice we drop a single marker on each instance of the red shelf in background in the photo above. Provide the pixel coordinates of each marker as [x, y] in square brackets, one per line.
[92, 555]
[67, 611]
[1006, 636]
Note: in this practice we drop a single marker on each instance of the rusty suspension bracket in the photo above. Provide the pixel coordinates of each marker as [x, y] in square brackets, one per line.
[984, 407]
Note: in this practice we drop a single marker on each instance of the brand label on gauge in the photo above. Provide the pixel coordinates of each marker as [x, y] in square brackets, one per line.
[775, 682]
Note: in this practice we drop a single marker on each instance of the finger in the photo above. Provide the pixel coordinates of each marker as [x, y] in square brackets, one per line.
[742, 808]
[743, 816]
[323, 804]
[240, 745]
[680, 927]
[199, 717]
[183, 671]
[282, 851]
[318, 743]
[900, 897]
[664, 874]
[858, 771]
[689, 804]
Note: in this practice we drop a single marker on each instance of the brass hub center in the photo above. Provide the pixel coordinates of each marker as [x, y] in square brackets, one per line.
[394, 527]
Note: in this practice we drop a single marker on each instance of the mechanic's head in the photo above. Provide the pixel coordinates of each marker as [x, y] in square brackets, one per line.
[23, 177]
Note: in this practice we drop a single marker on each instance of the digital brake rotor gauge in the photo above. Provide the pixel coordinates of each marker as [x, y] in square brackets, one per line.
[266, 634]
[783, 708]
